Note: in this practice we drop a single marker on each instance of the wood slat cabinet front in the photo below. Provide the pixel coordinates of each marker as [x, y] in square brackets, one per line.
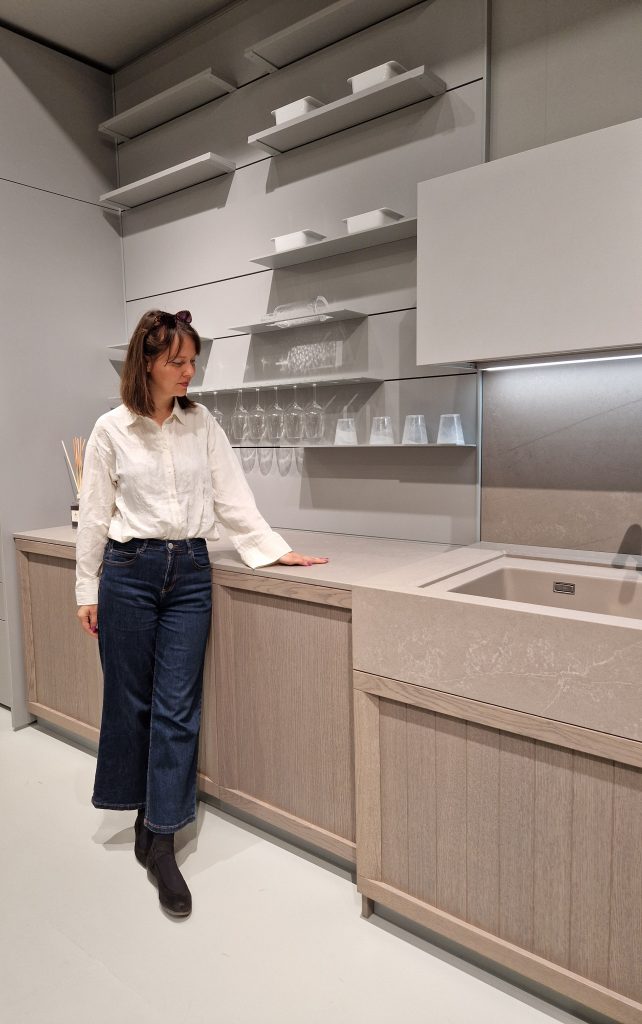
[525, 851]
[283, 667]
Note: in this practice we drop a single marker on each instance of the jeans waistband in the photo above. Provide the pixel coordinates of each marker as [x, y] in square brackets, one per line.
[176, 545]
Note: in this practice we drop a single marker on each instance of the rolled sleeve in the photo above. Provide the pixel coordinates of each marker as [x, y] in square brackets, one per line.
[96, 502]
[256, 542]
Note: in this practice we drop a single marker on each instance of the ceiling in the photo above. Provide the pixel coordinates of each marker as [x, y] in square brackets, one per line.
[105, 34]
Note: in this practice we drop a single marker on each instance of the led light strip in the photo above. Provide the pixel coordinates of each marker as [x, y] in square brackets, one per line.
[558, 362]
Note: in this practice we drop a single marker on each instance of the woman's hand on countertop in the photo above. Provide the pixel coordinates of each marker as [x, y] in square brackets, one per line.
[294, 558]
[88, 617]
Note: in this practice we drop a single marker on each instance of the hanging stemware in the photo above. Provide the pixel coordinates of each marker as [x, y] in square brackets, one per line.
[216, 412]
[314, 418]
[274, 419]
[256, 419]
[239, 418]
[294, 420]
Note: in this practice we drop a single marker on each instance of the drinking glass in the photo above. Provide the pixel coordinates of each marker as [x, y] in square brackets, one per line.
[274, 419]
[414, 431]
[314, 418]
[239, 418]
[294, 421]
[216, 412]
[346, 431]
[381, 430]
[256, 419]
[450, 429]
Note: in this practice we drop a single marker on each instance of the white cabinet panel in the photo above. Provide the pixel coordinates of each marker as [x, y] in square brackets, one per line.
[536, 253]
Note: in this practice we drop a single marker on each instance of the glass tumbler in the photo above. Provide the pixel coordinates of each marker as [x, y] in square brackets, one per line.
[450, 429]
[346, 431]
[414, 431]
[381, 430]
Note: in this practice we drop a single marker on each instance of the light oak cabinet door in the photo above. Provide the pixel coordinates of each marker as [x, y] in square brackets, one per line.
[475, 822]
[63, 666]
[283, 663]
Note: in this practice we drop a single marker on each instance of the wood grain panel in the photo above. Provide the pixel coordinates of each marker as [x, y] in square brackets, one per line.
[208, 738]
[601, 744]
[332, 596]
[625, 953]
[450, 787]
[516, 806]
[393, 734]
[283, 671]
[67, 666]
[591, 870]
[367, 754]
[422, 807]
[482, 827]
[552, 852]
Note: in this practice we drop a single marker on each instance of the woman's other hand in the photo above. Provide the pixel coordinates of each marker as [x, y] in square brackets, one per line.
[88, 616]
[294, 558]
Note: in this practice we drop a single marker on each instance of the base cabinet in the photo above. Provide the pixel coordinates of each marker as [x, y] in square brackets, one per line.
[525, 851]
[283, 666]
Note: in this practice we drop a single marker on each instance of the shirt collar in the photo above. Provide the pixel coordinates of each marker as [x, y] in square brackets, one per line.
[132, 417]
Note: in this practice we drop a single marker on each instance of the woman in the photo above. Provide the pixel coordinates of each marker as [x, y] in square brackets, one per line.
[157, 469]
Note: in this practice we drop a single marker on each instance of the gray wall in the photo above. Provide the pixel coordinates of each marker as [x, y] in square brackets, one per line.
[562, 69]
[194, 250]
[61, 292]
[561, 465]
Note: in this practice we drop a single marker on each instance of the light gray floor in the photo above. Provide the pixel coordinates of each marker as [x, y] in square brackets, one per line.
[275, 935]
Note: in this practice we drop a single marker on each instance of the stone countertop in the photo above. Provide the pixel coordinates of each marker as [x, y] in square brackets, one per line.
[353, 559]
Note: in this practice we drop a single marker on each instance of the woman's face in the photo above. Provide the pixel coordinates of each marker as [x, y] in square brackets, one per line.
[172, 371]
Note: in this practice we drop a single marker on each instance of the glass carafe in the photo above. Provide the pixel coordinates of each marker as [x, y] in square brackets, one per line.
[274, 419]
[256, 419]
[294, 420]
[239, 418]
[314, 418]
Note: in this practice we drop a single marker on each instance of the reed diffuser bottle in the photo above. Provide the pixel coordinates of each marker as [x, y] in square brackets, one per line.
[75, 472]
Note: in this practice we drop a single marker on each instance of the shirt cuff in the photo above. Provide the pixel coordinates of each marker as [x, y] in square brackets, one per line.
[269, 551]
[87, 593]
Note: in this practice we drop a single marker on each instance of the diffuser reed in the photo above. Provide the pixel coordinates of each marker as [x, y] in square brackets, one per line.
[75, 472]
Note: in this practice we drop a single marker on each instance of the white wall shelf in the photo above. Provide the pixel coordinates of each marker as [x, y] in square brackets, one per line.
[393, 94]
[349, 447]
[172, 179]
[332, 316]
[343, 243]
[166, 105]
[252, 385]
[335, 22]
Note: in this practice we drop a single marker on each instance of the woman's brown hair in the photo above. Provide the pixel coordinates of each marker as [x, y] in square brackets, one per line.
[154, 334]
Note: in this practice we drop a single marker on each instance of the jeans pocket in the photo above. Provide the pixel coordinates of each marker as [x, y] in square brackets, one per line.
[200, 557]
[124, 554]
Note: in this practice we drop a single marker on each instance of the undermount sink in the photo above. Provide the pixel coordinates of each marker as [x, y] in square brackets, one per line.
[576, 588]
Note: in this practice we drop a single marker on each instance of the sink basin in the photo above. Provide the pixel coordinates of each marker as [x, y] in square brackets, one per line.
[575, 588]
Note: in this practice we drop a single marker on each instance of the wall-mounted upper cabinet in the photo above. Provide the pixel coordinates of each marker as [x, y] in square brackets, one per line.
[165, 106]
[536, 253]
[324, 27]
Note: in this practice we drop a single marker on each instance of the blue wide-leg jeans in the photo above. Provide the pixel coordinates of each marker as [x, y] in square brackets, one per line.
[154, 611]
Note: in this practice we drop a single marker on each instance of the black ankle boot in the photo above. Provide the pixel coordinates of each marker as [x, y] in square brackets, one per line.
[173, 893]
[143, 840]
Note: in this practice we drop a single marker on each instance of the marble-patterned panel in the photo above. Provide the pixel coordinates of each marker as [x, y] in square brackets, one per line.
[583, 673]
[561, 462]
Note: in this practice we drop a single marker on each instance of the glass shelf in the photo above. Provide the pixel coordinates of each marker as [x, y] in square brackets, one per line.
[406, 228]
[172, 179]
[393, 94]
[165, 106]
[331, 316]
[252, 385]
[335, 22]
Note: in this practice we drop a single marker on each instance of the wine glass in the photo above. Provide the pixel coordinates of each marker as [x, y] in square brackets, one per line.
[314, 418]
[239, 418]
[256, 420]
[216, 412]
[274, 419]
[294, 420]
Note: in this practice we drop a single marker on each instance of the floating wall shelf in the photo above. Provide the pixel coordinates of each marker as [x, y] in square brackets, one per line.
[347, 447]
[393, 94]
[172, 179]
[330, 317]
[179, 99]
[333, 23]
[252, 385]
[336, 246]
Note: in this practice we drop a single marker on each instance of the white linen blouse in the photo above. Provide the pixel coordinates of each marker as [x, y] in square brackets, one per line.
[166, 482]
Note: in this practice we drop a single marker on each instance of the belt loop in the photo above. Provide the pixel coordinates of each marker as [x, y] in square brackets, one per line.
[189, 546]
